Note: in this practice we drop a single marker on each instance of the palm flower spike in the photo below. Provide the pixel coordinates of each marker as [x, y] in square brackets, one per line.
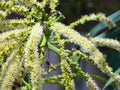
[22, 40]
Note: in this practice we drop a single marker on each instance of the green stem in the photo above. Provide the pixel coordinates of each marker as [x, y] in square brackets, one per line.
[53, 48]
[44, 40]
[26, 84]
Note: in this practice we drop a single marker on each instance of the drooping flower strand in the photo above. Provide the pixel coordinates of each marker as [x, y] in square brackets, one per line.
[15, 34]
[32, 61]
[6, 25]
[87, 46]
[89, 81]
[53, 11]
[7, 64]
[114, 44]
[91, 84]
[11, 73]
[95, 17]
[23, 10]
[68, 80]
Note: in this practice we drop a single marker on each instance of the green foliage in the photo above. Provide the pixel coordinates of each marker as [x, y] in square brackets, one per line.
[24, 41]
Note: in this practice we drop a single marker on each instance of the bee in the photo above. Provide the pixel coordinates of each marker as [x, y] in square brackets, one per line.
[50, 65]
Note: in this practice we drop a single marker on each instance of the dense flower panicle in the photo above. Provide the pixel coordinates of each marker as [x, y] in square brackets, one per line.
[15, 34]
[76, 38]
[11, 74]
[18, 38]
[32, 61]
[106, 42]
[6, 25]
[66, 72]
[96, 17]
[22, 10]
[6, 65]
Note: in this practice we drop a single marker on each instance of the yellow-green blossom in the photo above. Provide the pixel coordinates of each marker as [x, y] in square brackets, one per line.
[32, 61]
[11, 74]
[96, 17]
[106, 42]
[66, 71]
[6, 65]
[15, 34]
[22, 10]
[6, 25]
[83, 42]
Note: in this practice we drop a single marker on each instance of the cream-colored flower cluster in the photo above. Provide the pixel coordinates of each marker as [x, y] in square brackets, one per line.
[114, 44]
[6, 25]
[96, 17]
[67, 73]
[14, 34]
[20, 10]
[28, 46]
[6, 65]
[11, 73]
[32, 61]
[83, 42]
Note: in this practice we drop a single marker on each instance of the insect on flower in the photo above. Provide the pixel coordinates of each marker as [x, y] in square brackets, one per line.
[50, 65]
